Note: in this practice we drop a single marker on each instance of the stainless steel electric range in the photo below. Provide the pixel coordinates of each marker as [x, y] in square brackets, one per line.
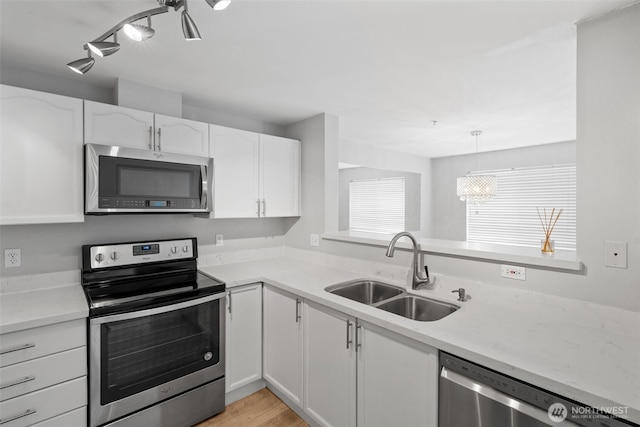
[156, 335]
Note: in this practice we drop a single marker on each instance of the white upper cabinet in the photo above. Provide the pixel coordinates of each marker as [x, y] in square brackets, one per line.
[255, 175]
[108, 124]
[235, 169]
[175, 135]
[40, 157]
[280, 176]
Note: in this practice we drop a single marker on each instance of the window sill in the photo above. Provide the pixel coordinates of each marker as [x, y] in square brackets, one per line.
[560, 260]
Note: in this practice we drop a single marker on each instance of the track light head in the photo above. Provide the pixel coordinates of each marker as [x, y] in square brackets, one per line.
[139, 32]
[218, 4]
[83, 65]
[189, 28]
[103, 48]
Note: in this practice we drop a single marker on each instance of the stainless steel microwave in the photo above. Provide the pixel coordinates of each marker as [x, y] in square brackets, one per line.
[129, 180]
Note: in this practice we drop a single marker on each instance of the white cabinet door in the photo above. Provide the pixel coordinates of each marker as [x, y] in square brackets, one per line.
[397, 380]
[235, 167]
[108, 124]
[41, 177]
[244, 336]
[182, 136]
[329, 366]
[280, 176]
[282, 346]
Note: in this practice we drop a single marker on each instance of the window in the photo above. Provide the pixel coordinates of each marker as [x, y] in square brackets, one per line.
[377, 205]
[511, 218]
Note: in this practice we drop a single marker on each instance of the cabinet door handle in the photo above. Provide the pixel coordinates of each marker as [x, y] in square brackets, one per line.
[150, 137]
[349, 340]
[159, 139]
[298, 317]
[229, 302]
[17, 416]
[264, 207]
[258, 211]
[358, 338]
[17, 382]
[17, 348]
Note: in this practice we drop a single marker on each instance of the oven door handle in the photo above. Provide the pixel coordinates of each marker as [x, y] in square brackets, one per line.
[156, 310]
[498, 397]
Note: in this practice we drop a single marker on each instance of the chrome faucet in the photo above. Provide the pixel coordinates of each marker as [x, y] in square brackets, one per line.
[418, 279]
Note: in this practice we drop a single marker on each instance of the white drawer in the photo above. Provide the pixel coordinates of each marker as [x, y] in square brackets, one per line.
[44, 404]
[75, 418]
[36, 374]
[16, 347]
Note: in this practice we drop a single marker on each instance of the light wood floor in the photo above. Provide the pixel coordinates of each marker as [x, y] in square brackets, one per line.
[261, 409]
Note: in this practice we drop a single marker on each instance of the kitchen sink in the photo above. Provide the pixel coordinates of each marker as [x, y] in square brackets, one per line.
[365, 291]
[393, 299]
[418, 308]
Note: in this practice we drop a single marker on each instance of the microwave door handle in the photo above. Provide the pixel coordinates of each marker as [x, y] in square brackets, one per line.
[203, 186]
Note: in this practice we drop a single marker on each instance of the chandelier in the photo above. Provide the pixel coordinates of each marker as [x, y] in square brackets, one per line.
[476, 189]
[138, 32]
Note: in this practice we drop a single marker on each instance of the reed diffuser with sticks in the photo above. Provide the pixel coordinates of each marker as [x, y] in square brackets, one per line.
[548, 224]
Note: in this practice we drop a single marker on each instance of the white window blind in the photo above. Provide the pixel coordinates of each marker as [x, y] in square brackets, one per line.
[511, 218]
[377, 205]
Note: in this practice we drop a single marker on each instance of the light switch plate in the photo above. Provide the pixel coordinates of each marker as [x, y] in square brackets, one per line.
[615, 254]
[314, 240]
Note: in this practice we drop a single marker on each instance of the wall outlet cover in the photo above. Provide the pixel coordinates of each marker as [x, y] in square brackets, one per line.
[513, 272]
[12, 258]
[615, 254]
[315, 240]
[219, 239]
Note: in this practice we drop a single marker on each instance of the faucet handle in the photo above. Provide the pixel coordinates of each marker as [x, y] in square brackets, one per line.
[461, 294]
[426, 272]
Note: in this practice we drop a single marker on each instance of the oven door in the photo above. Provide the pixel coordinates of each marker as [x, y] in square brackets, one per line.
[140, 358]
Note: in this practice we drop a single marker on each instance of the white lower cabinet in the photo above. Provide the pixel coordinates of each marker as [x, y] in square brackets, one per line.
[329, 366]
[397, 380]
[244, 336]
[43, 375]
[354, 373]
[282, 343]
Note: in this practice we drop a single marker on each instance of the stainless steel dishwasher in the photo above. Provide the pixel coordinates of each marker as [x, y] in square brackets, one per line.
[474, 396]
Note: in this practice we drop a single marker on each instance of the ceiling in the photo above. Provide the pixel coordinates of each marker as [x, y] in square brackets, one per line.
[415, 76]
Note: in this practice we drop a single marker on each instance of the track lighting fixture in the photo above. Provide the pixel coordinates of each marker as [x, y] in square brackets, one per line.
[189, 28]
[139, 32]
[83, 65]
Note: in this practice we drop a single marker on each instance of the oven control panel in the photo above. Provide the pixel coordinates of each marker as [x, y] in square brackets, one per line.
[122, 254]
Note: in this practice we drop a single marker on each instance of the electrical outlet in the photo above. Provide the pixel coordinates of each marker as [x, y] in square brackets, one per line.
[219, 239]
[615, 254]
[12, 258]
[315, 240]
[513, 272]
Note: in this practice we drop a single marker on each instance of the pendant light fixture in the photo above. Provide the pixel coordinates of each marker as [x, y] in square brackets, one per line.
[476, 189]
[138, 32]
[189, 28]
[83, 65]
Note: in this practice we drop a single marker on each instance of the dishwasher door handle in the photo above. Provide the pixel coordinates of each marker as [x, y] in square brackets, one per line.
[503, 399]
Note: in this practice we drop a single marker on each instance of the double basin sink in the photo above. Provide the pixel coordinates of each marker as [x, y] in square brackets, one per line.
[393, 299]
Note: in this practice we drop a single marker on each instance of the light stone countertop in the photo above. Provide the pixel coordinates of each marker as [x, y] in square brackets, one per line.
[583, 351]
[39, 300]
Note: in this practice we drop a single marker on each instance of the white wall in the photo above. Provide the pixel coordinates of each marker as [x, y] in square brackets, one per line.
[383, 158]
[449, 213]
[608, 168]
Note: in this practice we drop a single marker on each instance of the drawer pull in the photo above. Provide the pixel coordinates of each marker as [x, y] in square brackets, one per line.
[17, 416]
[16, 382]
[18, 348]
